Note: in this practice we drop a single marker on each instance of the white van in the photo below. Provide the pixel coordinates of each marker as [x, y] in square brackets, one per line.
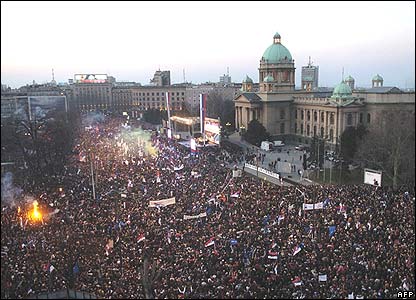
[266, 146]
[279, 143]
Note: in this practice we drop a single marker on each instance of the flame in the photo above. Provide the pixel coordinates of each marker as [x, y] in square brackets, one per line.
[18, 209]
[35, 214]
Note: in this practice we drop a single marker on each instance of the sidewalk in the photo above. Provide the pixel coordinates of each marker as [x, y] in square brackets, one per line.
[293, 157]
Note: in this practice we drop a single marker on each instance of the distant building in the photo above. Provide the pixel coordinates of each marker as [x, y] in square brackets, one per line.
[310, 76]
[161, 78]
[225, 80]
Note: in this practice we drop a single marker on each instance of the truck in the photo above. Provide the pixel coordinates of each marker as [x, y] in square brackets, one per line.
[266, 146]
[279, 143]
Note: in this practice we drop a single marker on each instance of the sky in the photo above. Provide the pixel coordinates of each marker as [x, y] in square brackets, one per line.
[131, 40]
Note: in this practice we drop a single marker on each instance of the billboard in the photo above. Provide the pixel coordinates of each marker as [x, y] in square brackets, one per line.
[212, 130]
[91, 78]
[372, 177]
[46, 106]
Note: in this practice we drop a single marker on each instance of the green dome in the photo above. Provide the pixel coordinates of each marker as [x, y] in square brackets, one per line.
[248, 80]
[342, 90]
[349, 78]
[276, 53]
[268, 78]
[378, 78]
[276, 35]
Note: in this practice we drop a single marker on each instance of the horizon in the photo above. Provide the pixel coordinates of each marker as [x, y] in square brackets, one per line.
[206, 50]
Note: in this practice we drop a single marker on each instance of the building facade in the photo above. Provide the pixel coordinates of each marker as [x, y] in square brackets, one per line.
[299, 115]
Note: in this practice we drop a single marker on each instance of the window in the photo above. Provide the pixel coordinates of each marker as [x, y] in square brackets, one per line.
[349, 119]
[331, 118]
[314, 130]
[315, 116]
[296, 115]
[368, 118]
[301, 128]
[331, 134]
[361, 117]
[309, 115]
[296, 128]
[282, 114]
[153, 94]
[308, 129]
[322, 132]
[282, 128]
[301, 114]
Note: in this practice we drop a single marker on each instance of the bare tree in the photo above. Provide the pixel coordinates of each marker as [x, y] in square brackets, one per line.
[389, 146]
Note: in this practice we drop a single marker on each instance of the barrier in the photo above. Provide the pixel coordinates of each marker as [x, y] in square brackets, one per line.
[261, 170]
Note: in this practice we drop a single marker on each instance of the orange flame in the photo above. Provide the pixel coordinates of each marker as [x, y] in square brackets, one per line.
[35, 214]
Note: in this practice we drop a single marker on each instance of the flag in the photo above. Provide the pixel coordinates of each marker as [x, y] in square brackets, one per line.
[297, 249]
[266, 220]
[210, 242]
[308, 206]
[279, 219]
[327, 202]
[51, 268]
[272, 255]
[141, 237]
[319, 205]
[233, 242]
[235, 195]
[297, 281]
[75, 269]
[332, 230]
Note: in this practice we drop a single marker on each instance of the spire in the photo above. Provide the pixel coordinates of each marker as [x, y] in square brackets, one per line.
[53, 75]
[342, 74]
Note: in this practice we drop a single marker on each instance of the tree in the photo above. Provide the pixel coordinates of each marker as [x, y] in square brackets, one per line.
[317, 151]
[221, 105]
[350, 139]
[256, 133]
[389, 146]
[155, 116]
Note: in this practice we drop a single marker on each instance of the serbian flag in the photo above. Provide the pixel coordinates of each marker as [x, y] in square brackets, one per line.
[141, 237]
[297, 249]
[272, 255]
[210, 242]
[235, 195]
[297, 281]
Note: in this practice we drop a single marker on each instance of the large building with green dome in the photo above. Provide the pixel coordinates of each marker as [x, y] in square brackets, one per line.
[298, 115]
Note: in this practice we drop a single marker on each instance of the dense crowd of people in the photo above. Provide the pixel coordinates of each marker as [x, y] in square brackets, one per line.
[242, 237]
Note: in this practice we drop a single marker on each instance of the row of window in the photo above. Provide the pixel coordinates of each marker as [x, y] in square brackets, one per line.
[331, 117]
[308, 131]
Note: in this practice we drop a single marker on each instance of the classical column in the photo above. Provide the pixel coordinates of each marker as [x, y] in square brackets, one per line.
[237, 125]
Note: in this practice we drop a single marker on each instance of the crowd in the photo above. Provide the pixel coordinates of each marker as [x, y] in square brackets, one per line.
[248, 238]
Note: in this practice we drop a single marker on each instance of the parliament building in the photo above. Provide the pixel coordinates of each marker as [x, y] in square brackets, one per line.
[300, 114]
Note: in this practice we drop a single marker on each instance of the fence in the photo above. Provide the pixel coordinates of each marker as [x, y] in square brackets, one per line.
[262, 170]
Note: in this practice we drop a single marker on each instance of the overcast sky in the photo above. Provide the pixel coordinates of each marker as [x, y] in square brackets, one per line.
[131, 40]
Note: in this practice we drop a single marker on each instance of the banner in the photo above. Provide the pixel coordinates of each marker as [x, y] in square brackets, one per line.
[162, 203]
[372, 177]
[312, 206]
[201, 215]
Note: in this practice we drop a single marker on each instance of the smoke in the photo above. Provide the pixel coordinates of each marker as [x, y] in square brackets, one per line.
[92, 118]
[9, 193]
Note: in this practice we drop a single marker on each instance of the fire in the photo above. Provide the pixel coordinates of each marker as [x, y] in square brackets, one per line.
[35, 214]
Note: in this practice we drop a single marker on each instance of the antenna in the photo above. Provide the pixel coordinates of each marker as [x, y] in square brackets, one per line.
[184, 81]
[342, 79]
[53, 75]
[309, 61]
[228, 71]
